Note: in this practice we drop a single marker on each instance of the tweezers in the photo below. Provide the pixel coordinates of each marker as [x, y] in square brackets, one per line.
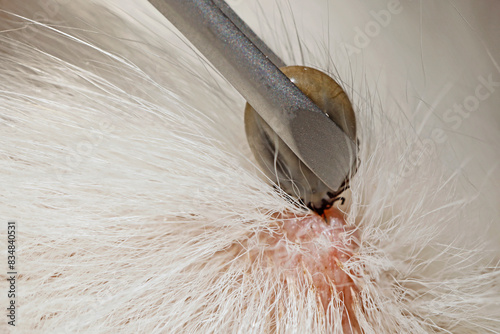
[253, 70]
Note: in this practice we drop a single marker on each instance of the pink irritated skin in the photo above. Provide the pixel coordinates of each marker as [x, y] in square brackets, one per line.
[313, 249]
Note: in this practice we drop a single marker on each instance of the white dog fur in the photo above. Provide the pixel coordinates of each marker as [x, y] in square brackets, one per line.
[125, 166]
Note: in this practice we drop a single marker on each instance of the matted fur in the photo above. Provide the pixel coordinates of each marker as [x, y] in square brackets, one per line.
[137, 200]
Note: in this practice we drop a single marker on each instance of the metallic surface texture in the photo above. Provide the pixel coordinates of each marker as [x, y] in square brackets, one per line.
[306, 130]
[278, 162]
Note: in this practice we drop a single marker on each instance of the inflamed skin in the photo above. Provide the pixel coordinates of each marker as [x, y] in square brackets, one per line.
[309, 253]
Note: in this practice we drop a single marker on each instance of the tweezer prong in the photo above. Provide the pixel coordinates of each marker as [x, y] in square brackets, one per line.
[316, 140]
[249, 33]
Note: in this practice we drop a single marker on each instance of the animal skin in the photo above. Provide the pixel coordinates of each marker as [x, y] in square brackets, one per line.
[140, 208]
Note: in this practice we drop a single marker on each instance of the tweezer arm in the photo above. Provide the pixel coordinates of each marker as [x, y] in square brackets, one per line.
[248, 32]
[309, 133]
